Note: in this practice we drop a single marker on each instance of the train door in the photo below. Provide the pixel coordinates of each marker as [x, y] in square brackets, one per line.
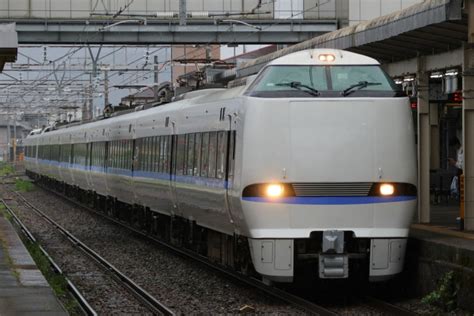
[173, 194]
[106, 166]
[88, 165]
[229, 168]
[90, 182]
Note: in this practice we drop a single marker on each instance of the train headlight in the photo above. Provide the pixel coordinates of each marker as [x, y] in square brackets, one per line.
[327, 57]
[387, 189]
[274, 190]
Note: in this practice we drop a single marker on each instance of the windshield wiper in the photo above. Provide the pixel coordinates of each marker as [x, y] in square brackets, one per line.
[297, 85]
[360, 85]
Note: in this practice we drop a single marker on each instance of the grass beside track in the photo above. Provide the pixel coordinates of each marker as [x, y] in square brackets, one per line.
[6, 169]
[57, 281]
[24, 185]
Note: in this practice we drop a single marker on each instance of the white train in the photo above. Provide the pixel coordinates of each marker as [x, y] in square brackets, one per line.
[310, 166]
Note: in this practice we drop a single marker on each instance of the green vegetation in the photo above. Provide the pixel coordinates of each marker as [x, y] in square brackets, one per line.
[445, 296]
[58, 282]
[6, 169]
[24, 185]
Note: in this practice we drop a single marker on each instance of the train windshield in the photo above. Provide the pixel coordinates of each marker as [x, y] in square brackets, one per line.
[326, 81]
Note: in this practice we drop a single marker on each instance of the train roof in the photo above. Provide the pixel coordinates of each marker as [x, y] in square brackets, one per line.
[311, 57]
[80, 132]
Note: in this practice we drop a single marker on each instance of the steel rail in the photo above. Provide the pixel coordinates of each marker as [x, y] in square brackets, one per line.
[386, 307]
[307, 306]
[151, 302]
[83, 303]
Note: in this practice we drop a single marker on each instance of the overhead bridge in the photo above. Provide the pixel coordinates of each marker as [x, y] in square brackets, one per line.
[169, 22]
[130, 31]
[8, 44]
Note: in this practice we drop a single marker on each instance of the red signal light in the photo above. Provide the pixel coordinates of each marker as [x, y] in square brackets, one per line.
[457, 96]
[413, 105]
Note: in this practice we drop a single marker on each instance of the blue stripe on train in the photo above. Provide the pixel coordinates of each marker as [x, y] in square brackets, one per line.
[332, 200]
[200, 181]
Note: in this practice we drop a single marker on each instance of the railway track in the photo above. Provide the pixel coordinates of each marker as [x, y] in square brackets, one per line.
[83, 303]
[385, 307]
[307, 306]
[372, 303]
[147, 303]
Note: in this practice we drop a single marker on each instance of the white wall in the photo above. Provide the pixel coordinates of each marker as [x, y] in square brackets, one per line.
[363, 10]
[298, 9]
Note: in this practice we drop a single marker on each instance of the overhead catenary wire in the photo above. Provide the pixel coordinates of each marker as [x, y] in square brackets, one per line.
[164, 64]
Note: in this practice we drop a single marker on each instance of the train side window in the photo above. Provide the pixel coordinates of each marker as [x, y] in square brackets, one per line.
[212, 154]
[154, 153]
[145, 154]
[86, 162]
[197, 154]
[117, 154]
[180, 156]
[221, 154]
[97, 154]
[151, 156]
[129, 154]
[165, 158]
[231, 158]
[92, 149]
[138, 144]
[158, 154]
[161, 154]
[113, 155]
[124, 154]
[123, 160]
[190, 158]
[109, 154]
[149, 153]
[185, 154]
[168, 149]
[162, 167]
[204, 154]
[118, 148]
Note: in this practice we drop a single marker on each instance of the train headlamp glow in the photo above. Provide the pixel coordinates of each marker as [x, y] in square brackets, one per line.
[327, 57]
[274, 190]
[387, 189]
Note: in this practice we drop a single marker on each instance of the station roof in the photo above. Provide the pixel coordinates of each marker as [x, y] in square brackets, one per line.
[8, 44]
[427, 28]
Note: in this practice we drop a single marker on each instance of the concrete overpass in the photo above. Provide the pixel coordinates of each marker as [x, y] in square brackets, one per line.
[170, 22]
[8, 44]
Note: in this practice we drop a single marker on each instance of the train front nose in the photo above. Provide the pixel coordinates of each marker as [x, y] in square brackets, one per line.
[331, 141]
[338, 150]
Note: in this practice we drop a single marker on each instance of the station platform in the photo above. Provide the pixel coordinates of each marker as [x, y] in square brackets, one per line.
[23, 289]
[435, 250]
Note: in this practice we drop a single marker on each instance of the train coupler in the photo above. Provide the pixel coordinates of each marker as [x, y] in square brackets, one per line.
[333, 263]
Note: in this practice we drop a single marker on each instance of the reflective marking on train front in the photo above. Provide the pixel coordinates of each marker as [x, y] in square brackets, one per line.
[332, 200]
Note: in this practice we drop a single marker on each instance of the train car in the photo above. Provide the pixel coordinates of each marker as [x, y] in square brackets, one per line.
[307, 170]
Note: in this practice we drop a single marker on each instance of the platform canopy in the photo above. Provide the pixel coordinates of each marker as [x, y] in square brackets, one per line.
[8, 44]
[428, 28]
